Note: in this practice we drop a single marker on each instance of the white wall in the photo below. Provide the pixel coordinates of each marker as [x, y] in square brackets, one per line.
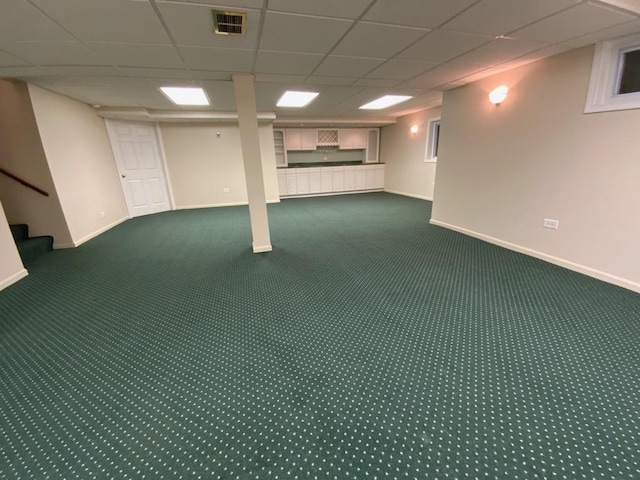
[81, 161]
[502, 170]
[201, 165]
[22, 154]
[11, 268]
[406, 172]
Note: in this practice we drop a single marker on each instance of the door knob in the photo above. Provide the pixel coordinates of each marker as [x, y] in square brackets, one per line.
[124, 175]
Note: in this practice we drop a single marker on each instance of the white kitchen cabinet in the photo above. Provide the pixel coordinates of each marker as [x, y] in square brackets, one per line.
[300, 138]
[292, 181]
[361, 178]
[327, 180]
[371, 176]
[352, 138]
[379, 175]
[373, 145]
[282, 182]
[349, 178]
[280, 147]
[302, 181]
[337, 181]
[315, 180]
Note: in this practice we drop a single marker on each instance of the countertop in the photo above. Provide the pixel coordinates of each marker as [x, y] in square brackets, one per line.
[327, 164]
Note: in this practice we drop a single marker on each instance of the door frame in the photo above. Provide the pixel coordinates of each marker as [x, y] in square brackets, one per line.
[163, 158]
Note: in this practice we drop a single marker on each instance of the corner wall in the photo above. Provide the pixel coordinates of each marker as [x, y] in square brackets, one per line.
[406, 172]
[11, 268]
[503, 169]
[201, 165]
[22, 153]
[81, 161]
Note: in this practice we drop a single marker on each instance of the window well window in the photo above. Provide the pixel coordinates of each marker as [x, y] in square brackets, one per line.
[433, 140]
[630, 75]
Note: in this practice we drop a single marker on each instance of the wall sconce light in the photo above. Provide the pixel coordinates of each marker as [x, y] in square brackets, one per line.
[414, 129]
[498, 95]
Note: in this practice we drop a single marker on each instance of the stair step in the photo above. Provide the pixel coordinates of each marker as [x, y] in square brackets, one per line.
[19, 231]
[33, 248]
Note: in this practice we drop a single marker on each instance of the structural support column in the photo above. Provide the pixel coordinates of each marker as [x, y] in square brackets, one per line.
[252, 158]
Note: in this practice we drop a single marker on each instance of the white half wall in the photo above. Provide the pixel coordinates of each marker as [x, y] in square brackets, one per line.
[203, 164]
[403, 152]
[81, 161]
[503, 170]
[11, 267]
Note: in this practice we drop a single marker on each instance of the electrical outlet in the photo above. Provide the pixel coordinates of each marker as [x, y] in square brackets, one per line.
[103, 214]
[550, 223]
[226, 190]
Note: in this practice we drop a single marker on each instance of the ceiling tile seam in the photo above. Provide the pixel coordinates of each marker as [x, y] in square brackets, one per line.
[166, 29]
[355, 22]
[256, 49]
[593, 33]
[457, 14]
[508, 34]
[29, 64]
[42, 12]
[613, 7]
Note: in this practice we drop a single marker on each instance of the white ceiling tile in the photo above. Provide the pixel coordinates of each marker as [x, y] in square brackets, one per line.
[8, 60]
[287, 63]
[605, 34]
[20, 72]
[325, 8]
[577, 21]
[256, 4]
[445, 73]
[209, 75]
[440, 46]
[115, 20]
[377, 40]
[274, 78]
[85, 73]
[322, 80]
[499, 17]
[20, 21]
[535, 56]
[335, 65]
[416, 13]
[221, 94]
[377, 82]
[53, 53]
[400, 69]
[499, 51]
[156, 73]
[192, 25]
[221, 59]
[137, 55]
[300, 33]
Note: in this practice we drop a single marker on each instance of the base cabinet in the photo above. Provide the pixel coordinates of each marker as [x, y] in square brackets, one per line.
[323, 180]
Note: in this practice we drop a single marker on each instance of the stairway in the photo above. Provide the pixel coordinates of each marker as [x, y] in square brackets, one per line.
[30, 248]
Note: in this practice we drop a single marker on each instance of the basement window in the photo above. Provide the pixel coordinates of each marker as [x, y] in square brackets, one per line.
[433, 140]
[615, 76]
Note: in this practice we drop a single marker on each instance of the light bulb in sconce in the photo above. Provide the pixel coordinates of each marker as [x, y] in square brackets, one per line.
[498, 95]
[414, 129]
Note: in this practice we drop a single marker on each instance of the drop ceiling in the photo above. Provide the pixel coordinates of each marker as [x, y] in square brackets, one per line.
[117, 53]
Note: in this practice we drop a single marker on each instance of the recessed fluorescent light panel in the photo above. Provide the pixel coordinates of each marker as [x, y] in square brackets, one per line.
[186, 95]
[386, 101]
[296, 99]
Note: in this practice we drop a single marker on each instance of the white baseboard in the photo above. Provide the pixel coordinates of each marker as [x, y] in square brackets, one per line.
[262, 248]
[13, 278]
[86, 238]
[405, 194]
[216, 205]
[576, 267]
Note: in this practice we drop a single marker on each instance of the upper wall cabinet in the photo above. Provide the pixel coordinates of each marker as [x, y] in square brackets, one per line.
[353, 138]
[279, 145]
[373, 146]
[301, 138]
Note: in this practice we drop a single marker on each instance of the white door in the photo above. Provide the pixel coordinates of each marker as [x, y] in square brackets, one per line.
[137, 153]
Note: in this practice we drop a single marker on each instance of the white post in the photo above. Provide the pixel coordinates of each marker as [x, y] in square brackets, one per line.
[252, 158]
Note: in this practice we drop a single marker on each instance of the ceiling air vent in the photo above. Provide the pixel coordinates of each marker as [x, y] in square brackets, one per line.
[229, 23]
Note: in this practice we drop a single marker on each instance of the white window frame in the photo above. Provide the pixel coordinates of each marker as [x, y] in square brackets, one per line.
[433, 135]
[605, 77]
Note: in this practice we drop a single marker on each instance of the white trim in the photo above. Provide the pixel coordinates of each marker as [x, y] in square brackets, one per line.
[216, 205]
[576, 267]
[605, 77]
[13, 278]
[165, 165]
[145, 115]
[412, 195]
[329, 194]
[86, 238]
[262, 248]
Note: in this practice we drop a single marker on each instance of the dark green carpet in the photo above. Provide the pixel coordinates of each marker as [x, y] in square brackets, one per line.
[368, 345]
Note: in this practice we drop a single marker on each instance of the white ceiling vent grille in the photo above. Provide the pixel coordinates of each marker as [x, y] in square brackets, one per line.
[229, 23]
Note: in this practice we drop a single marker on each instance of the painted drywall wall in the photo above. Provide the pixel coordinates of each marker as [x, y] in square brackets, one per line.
[403, 152]
[22, 154]
[502, 170]
[202, 164]
[81, 161]
[11, 267]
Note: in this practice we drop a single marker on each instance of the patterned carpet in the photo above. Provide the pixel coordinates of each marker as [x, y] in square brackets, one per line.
[367, 345]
